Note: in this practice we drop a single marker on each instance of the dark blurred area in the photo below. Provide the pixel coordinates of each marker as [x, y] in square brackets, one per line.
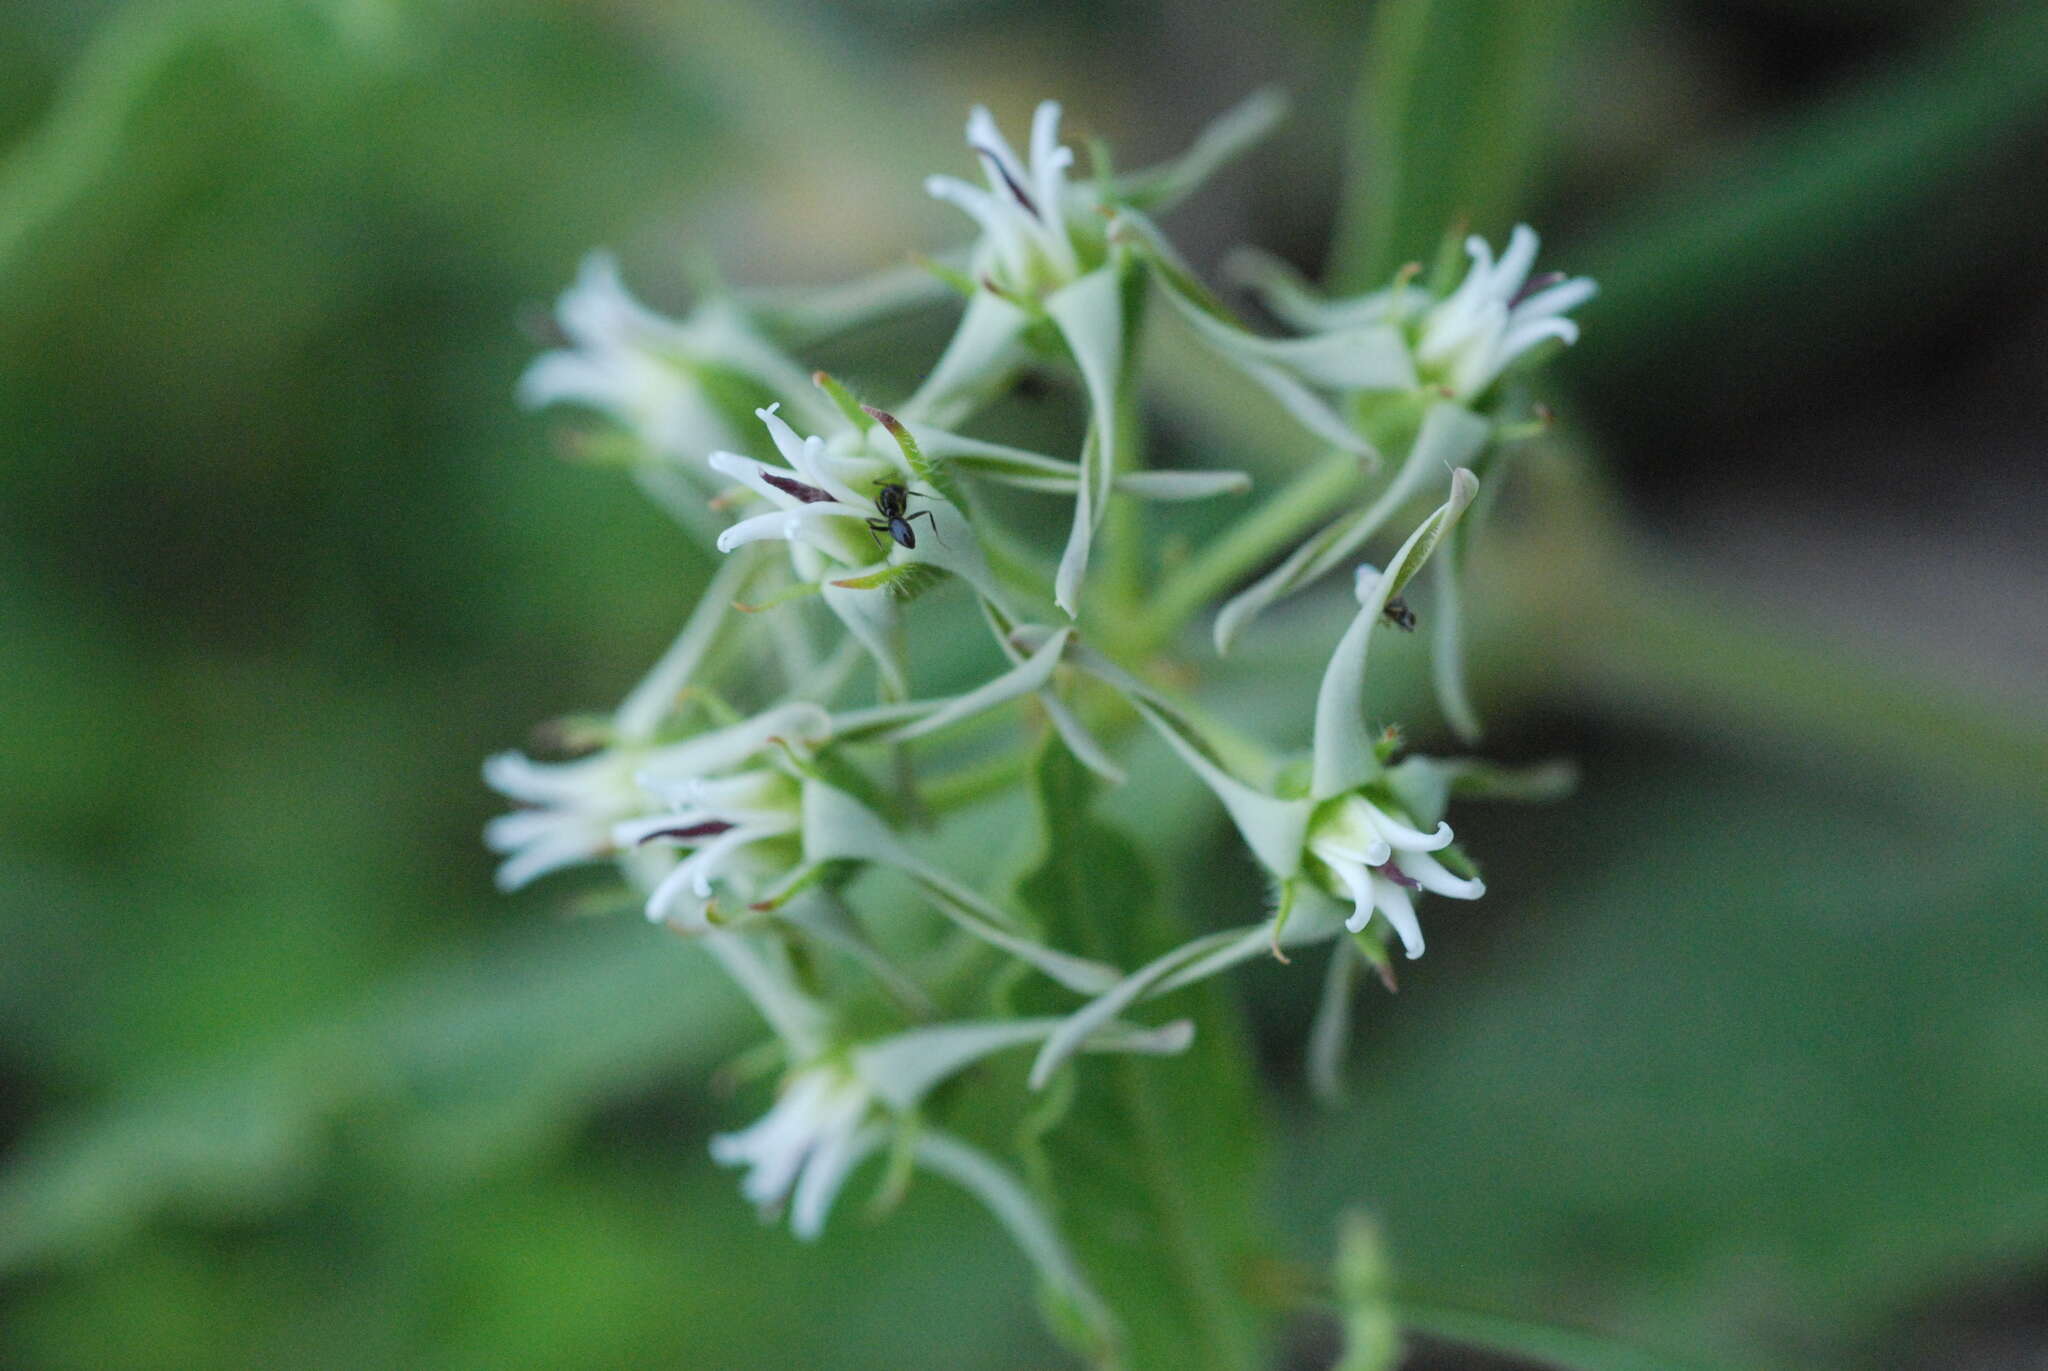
[1742, 1057]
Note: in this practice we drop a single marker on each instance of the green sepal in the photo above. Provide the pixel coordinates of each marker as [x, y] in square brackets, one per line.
[849, 404]
[799, 590]
[953, 277]
[929, 470]
[906, 580]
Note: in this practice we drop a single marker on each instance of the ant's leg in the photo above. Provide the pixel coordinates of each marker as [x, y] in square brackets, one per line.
[926, 515]
[876, 526]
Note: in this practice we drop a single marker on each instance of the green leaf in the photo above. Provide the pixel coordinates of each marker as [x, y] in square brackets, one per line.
[1834, 1068]
[1886, 171]
[1566, 1348]
[1448, 130]
[1152, 1170]
[455, 1074]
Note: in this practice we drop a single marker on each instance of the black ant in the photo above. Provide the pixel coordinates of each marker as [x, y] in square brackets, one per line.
[892, 499]
[1399, 615]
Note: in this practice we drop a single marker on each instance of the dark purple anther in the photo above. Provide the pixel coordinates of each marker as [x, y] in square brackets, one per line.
[1398, 876]
[810, 495]
[1016, 191]
[690, 833]
[1541, 281]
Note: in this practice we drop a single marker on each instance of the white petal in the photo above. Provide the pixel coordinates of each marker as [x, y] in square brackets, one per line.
[754, 475]
[527, 866]
[578, 377]
[1089, 313]
[1049, 163]
[725, 748]
[1182, 485]
[1515, 262]
[825, 1175]
[985, 137]
[1431, 874]
[1401, 835]
[1392, 901]
[1557, 299]
[1003, 222]
[1344, 757]
[1359, 882]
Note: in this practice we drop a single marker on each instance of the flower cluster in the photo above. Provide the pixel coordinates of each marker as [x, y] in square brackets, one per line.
[777, 754]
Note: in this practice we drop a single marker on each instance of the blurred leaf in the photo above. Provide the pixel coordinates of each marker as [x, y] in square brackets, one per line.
[1448, 130]
[465, 1069]
[1155, 1165]
[1561, 1347]
[1735, 1051]
[1844, 213]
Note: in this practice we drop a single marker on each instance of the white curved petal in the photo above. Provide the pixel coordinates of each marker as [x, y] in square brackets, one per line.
[725, 748]
[1393, 903]
[1431, 874]
[1514, 263]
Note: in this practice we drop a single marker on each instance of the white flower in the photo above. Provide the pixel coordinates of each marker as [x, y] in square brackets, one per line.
[1458, 345]
[650, 374]
[825, 505]
[1398, 342]
[804, 1146]
[1028, 211]
[568, 810]
[1353, 833]
[1047, 252]
[837, 1108]
[625, 361]
[1375, 858]
[732, 804]
[1497, 314]
[821, 501]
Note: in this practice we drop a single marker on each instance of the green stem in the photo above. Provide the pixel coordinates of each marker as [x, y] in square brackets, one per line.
[1648, 642]
[1549, 1343]
[1123, 522]
[1123, 528]
[1574, 610]
[971, 784]
[1274, 526]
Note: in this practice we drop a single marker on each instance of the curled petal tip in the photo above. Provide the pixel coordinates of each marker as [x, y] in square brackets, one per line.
[1363, 580]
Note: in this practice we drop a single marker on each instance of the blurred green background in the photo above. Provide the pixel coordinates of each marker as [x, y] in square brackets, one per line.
[1745, 1055]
